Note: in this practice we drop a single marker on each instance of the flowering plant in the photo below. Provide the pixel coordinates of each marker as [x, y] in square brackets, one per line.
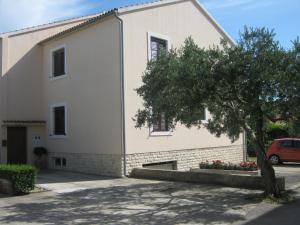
[218, 164]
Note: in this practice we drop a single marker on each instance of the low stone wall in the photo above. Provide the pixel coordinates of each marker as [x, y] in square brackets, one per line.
[186, 159]
[241, 181]
[98, 164]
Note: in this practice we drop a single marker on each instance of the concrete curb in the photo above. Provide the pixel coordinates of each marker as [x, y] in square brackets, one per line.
[241, 172]
[229, 180]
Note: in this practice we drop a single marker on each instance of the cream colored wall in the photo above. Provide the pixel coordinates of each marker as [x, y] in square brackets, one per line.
[21, 78]
[1, 56]
[91, 90]
[32, 133]
[176, 21]
[21, 96]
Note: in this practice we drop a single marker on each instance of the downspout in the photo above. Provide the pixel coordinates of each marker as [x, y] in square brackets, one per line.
[122, 91]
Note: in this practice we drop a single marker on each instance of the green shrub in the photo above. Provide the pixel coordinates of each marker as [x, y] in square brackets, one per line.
[22, 177]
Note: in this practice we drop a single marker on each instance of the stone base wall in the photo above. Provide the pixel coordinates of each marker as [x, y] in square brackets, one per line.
[98, 164]
[112, 165]
[186, 159]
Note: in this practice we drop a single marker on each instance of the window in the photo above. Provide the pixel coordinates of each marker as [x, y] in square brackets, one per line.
[156, 46]
[161, 124]
[57, 162]
[60, 162]
[58, 62]
[172, 165]
[59, 120]
[286, 143]
[296, 144]
[64, 162]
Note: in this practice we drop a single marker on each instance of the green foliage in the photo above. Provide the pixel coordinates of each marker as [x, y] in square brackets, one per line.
[294, 128]
[276, 130]
[22, 176]
[244, 86]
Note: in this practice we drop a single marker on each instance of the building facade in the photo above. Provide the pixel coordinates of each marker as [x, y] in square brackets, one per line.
[70, 87]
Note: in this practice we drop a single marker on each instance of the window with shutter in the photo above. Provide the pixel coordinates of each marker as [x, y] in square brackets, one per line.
[58, 59]
[157, 45]
[59, 121]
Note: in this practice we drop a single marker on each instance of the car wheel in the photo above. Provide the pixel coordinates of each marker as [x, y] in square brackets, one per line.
[274, 159]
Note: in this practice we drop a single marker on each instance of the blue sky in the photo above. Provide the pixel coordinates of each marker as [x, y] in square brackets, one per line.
[282, 15]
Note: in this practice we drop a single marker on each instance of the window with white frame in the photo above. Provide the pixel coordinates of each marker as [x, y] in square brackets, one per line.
[161, 124]
[59, 120]
[59, 62]
[157, 46]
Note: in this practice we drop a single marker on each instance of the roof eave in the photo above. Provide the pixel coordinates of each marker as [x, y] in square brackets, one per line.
[46, 26]
[133, 8]
[129, 9]
[151, 4]
[215, 23]
[79, 26]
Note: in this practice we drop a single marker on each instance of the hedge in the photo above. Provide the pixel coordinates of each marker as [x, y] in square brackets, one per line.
[22, 177]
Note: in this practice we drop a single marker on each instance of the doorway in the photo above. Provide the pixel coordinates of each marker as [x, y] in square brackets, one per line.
[16, 145]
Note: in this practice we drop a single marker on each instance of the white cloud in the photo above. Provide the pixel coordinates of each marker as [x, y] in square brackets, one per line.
[17, 14]
[241, 4]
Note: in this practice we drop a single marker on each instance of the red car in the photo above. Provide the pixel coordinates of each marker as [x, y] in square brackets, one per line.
[284, 150]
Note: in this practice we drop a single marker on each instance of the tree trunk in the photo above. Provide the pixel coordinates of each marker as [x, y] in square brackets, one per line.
[267, 172]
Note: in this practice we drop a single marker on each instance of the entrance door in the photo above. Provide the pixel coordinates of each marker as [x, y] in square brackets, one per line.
[16, 145]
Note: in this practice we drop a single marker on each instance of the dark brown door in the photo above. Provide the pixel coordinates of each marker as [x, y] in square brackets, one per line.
[16, 145]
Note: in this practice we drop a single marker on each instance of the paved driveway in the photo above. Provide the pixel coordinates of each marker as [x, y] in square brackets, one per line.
[83, 199]
[270, 214]
[291, 172]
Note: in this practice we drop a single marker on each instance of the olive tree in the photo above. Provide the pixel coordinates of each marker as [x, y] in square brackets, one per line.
[243, 86]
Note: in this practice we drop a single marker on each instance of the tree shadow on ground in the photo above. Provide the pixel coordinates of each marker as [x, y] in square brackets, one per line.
[54, 176]
[158, 203]
[287, 214]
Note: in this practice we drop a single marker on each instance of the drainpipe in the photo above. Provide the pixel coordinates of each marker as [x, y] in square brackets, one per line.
[122, 91]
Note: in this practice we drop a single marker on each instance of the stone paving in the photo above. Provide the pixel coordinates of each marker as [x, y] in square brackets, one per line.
[84, 199]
